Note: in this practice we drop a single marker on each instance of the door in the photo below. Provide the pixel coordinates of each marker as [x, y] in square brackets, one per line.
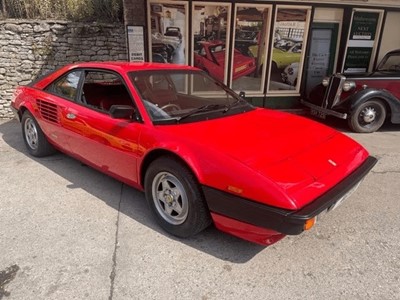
[321, 54]
[108, 144]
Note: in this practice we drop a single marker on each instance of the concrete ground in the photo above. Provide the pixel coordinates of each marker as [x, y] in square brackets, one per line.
[69, 232]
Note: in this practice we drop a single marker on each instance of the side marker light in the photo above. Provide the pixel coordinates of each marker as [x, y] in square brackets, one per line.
[309, 223]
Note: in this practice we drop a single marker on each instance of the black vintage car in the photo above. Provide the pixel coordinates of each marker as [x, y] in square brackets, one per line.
[366, 100]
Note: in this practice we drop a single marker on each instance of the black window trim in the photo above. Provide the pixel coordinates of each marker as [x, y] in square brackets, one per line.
[83, 71]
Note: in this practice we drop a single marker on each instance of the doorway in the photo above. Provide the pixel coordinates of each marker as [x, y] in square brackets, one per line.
[322, 53]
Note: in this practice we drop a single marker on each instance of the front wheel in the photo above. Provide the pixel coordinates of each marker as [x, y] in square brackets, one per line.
[368, 116]
[175, 198]
[34, 138]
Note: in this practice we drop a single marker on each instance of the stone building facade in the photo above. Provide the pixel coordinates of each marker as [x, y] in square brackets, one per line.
[29, 49]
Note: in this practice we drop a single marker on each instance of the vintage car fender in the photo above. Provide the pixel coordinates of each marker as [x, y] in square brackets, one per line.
[370, 93]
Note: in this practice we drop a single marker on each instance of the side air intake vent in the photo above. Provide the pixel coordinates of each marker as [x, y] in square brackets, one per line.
[48, 111]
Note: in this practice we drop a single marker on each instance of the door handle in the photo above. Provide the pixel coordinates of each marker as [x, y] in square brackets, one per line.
[71, 116]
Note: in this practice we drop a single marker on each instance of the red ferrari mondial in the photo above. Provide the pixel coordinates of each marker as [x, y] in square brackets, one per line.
[200, 153]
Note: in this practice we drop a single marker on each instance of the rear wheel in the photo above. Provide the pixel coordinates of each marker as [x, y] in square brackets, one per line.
[175, 198]
[368, 116]
[34, 138]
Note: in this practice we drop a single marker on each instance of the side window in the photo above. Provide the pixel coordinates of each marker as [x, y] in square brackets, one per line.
[103, 89]
[67, 86]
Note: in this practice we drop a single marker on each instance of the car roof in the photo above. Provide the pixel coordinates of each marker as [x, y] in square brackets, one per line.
[116, 66]
[130, 66]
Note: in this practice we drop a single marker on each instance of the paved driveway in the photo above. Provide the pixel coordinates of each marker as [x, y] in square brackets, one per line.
[69, 232]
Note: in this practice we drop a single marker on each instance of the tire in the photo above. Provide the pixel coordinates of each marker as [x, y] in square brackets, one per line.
[368, 116]
[175, 198]
[34, 138]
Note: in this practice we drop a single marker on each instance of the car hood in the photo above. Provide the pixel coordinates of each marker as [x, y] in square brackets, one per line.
[293, 152]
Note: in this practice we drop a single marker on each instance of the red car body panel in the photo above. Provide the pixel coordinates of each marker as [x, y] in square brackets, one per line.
[260, 155]
[246, 231]
[287, 169]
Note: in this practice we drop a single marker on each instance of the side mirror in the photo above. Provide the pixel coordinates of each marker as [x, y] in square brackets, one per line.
[242, 94]
[121, 111]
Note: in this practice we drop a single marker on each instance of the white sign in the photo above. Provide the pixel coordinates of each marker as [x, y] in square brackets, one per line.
[136, 43]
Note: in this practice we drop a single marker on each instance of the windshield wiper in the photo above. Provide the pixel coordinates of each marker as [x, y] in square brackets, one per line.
[204, 108]
[235, 103]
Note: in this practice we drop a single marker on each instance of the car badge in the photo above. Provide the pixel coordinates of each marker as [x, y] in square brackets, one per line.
[332, 162]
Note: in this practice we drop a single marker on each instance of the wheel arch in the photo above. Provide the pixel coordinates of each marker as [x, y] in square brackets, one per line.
[157, 153]
[22, 109]
[386, 98]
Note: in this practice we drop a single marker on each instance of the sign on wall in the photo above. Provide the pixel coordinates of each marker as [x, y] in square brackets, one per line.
[361, 42]
[136, 43]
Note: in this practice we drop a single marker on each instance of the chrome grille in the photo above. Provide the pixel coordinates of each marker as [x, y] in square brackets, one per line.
[333, 91]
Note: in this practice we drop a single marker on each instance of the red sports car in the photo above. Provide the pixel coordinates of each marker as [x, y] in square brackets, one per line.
[200, 153]
[211, 58]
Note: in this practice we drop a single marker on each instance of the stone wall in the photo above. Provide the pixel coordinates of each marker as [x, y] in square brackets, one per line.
[29, 49]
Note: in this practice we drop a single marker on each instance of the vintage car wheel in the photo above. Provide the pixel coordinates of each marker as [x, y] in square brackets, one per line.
[34, 138]
[368, 116]
[175, 198]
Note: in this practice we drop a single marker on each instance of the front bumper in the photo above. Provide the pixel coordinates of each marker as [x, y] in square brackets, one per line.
[283, 221]
[324, 111]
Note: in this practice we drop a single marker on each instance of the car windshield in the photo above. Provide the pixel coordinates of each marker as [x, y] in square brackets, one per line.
[391, 62]
[185, 96]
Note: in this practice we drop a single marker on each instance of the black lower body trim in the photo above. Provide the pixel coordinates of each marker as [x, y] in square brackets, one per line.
[282, 220]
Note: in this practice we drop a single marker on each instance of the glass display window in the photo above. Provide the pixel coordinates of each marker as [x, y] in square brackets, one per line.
[210, 38]
[167, 31]
[288, 44]
[250, 47]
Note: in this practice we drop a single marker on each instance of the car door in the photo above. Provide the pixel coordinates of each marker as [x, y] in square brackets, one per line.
[51, 103]
[108, 144]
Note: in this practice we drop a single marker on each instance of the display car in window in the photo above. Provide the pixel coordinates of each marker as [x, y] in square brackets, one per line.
[290, 74]
[200, 152]
[366, 100]
[174, 32]
[171, 42]
[163, 50]
[284, 53]
[211, 58]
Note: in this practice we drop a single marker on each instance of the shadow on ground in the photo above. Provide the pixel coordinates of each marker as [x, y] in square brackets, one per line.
[210, 241]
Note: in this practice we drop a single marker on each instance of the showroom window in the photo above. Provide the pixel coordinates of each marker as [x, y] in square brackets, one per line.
[288, 44]
[249, 54]
[210, 38]
[167, 23]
